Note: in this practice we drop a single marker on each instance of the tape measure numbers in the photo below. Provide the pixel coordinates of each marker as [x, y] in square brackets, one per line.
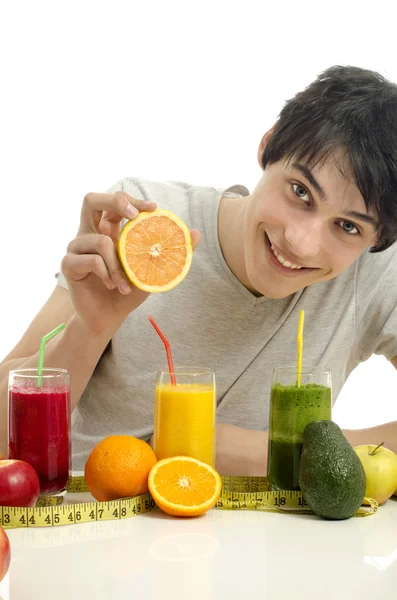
[254, 493]
[50, 512]
[279, 501]
[69, 514]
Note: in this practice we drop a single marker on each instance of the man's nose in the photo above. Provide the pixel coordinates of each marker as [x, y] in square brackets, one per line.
[304, 238]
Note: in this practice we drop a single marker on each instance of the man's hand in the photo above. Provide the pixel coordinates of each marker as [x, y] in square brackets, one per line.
[100, 291]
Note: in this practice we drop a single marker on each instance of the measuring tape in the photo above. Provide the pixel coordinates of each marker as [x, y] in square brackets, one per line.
[281, 501]
[292, 502]
[254, 493]
[236, 494]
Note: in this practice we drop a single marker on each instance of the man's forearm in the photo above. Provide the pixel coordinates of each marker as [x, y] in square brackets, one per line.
[386, 433]
[241, 451]
[73, 349]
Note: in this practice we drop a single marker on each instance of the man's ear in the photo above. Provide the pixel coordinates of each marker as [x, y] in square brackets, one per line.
[263, 144]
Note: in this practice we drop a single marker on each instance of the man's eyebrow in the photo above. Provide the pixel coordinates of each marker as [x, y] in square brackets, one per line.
[307, 173]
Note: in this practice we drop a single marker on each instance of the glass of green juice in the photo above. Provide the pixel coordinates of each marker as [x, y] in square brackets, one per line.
[294, 402]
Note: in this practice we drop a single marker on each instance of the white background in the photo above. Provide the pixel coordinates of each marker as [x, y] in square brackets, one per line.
[95, 91]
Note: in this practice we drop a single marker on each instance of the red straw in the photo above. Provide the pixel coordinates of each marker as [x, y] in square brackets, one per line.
[167, 349]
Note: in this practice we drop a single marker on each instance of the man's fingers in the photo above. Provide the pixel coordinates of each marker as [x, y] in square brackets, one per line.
[78, 266]
[103, 247]
[140, 205]
[94, 205]
[113, 207]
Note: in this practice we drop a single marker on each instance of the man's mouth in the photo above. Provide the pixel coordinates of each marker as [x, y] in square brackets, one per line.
[282, 264]
[283, 260]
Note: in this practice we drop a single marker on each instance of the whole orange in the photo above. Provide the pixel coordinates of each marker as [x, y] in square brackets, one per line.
[118, 467]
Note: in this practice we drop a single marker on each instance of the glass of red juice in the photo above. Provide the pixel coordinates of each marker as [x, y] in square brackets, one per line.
[39, 425]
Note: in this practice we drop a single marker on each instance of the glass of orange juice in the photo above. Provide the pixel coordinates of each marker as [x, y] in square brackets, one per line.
[185, 414]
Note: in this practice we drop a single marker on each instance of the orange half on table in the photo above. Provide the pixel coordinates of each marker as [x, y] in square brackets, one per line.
[184, 487]
[155, 250]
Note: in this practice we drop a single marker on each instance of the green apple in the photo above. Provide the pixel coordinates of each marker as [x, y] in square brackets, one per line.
[380, 466]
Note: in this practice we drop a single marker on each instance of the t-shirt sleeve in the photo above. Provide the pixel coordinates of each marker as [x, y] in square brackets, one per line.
[59, 276]
[376, 305]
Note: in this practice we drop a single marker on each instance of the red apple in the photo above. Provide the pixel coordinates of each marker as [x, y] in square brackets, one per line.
[5, 553]
[19, 483]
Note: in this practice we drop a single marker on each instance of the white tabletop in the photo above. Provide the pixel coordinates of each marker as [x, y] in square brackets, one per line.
[224, 554]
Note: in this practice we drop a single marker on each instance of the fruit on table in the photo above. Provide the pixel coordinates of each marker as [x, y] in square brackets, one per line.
[380, 466]
[331, 476]
[5, 553]
[118, 467]
[19, 484]
[184, 487]
[155, 250]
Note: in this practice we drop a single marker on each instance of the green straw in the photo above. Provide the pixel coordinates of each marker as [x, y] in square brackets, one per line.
[43, 342]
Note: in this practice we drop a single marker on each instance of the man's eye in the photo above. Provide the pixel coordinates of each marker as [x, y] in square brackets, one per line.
[301, 192]
[349, 227]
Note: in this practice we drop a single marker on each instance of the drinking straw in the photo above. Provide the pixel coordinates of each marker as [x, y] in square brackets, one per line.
[167, 349]
[300, 348]
[43, 342]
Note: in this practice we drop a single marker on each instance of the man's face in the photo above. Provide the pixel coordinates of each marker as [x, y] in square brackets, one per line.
[302, 226]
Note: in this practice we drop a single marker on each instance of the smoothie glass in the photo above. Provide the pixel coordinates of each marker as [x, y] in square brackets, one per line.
[39, 425]
[292, 407]
[185, 414]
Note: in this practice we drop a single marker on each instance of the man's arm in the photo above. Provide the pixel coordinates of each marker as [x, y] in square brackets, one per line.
[386, 433]
[74, 349]
[241, 451]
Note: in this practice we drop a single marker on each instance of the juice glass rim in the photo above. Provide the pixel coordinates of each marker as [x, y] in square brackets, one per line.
[185, 370]
[32, 372]
[305, 371]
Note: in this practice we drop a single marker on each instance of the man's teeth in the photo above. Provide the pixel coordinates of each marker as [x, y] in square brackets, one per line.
[283, 260]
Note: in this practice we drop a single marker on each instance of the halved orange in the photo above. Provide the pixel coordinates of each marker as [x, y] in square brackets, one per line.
[155, 250]
[184, 487]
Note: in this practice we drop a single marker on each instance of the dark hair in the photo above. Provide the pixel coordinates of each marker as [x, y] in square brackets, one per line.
[351, 111]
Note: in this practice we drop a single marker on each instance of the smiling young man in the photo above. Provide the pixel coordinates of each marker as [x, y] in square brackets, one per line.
[317, 233]
[300, 226]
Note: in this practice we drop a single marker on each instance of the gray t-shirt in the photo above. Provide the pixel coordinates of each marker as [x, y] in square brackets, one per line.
[213, 321]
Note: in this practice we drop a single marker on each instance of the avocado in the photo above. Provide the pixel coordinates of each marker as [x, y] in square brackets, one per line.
[331, 476]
